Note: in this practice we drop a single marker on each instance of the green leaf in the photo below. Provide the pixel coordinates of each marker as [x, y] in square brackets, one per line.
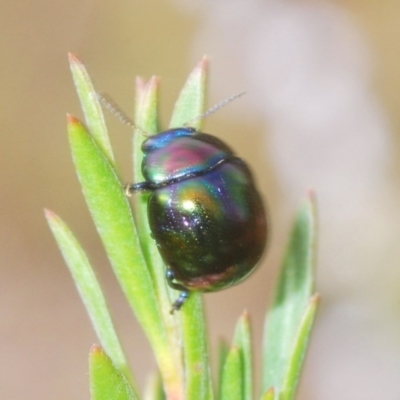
[242, 341]
[94, 117]
[190, 104]
[222, 355]
[197, 363]
[296, 359]
[90, 291]
[146, 117]
[112, 215]
[232, 378]
[295, 287]
[106, 381]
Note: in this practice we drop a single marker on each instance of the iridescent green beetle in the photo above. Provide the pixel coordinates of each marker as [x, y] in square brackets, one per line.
[205, 213]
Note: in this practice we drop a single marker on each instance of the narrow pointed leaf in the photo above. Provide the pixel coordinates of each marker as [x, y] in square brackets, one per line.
[197, 363]
[89, 289]
[190, 104]
[295, 287]
[113, 219]
[222, 356]
[232, 378]
[94, 116]
[242, 341]
[106, 381]
[146, 118]
[296, 360]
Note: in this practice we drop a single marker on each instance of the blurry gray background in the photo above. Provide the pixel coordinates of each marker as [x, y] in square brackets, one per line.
[323, 84]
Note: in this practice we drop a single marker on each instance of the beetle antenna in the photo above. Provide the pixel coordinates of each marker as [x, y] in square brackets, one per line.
[114, 109]
[215, 108]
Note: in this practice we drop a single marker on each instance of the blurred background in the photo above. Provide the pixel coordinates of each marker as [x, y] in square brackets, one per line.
[323, 91]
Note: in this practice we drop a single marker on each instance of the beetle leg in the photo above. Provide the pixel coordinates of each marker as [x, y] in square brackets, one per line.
[183, 295]
[178, 303]
[131, 188]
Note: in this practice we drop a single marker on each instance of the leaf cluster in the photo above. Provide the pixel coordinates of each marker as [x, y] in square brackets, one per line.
[179, 342]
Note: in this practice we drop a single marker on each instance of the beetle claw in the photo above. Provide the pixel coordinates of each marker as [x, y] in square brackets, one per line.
[131, 188]
[178, 303]
[128, 189]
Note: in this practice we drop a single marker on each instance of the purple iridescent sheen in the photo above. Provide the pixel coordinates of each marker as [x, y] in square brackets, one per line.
[172, 155]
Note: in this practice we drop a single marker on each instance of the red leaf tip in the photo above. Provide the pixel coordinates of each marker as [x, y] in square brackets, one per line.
[73, 58]
[204, 62]
[96, 349]
[73, 120]
[143, 86]
[202, 66]
[311, 194]
[49, 214]
[246, 315]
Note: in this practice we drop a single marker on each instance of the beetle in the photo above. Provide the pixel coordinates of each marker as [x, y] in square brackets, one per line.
[205, 213]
